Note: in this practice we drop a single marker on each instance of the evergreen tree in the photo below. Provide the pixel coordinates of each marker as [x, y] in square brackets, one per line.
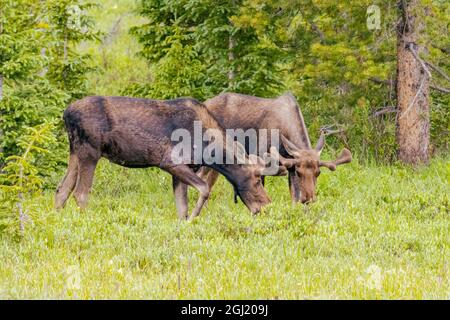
[40, 69]
[225, 54]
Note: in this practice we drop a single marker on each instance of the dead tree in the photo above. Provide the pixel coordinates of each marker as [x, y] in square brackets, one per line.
[413, 119]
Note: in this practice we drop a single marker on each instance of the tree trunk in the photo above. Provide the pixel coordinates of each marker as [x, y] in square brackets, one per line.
[230, 61]
[231, 58]
[413, 120]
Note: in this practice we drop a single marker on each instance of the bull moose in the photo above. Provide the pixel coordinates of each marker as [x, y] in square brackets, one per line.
[136, 133]
[234, 110]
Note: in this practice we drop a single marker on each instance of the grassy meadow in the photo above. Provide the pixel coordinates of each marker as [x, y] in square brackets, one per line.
[375, 232]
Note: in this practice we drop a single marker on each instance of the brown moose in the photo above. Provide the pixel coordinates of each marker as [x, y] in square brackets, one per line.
[234, 110]
[136, 133]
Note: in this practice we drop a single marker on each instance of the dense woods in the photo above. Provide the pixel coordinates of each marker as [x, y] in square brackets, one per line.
[343, 71]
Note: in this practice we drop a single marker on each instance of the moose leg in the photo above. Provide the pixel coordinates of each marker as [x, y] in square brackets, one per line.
[86, 170]
[67, 184]
[181, 200]
[208, 175]
[294, 185]
[188, 176]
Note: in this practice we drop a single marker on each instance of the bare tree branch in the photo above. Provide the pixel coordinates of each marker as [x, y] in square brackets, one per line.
[382, 81]
[416, 56]
[393, 83]
[385, 110]
[328, 129]
[424, 64]
[438, 70]
[443, 50]
[441, 89]
[313, 26]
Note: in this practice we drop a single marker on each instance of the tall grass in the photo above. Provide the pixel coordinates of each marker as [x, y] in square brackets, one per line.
[375, 232]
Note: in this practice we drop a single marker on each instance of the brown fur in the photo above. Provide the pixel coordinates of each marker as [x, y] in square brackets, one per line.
[136, 133]
[235, 111]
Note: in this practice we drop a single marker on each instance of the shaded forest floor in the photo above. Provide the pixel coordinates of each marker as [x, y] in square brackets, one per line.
[375, 232]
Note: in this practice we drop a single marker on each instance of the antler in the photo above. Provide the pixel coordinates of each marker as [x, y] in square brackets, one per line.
[345, 157]
[290, 147]
[266, 165]
[321, 142]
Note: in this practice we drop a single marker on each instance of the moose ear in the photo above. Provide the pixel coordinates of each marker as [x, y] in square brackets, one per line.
[345, 157]
[320, 143]
[290, 147]
[287, 163]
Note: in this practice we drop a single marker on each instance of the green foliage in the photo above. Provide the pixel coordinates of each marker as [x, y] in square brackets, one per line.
[440, 124]
[207, 37]
[41, 70]
[28, 104]
[68, 25]
[117, 64]
[323, 51]
[19, 39]
[332, 57]
[376, 232]
[178, 74]
[21, 177]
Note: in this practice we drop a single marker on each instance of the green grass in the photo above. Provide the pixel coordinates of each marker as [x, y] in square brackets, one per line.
[115, 56]
[375, 232]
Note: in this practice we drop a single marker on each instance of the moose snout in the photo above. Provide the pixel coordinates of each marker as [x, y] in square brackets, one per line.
[256, 206]
[307, 198]
[255, 209]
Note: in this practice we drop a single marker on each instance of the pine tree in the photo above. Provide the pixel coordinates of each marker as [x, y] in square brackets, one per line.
[225, 53]
[40, 69]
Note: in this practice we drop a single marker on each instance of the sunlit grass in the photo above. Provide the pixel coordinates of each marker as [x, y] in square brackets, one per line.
[375, 232]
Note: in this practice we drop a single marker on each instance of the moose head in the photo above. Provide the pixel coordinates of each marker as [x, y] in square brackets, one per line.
[307, 164]
[249, 187]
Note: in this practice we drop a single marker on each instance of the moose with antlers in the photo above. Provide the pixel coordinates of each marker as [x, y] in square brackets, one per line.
[303, 162]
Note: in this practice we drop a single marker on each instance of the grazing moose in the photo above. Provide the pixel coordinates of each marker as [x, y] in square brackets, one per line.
[136, 133]
[234, 110]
